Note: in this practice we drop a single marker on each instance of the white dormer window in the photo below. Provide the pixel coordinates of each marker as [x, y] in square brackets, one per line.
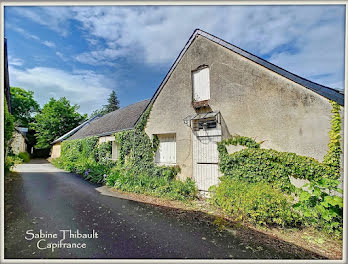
[201, 84]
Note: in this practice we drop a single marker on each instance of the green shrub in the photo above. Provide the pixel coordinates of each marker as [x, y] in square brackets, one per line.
[12, 160]
[269, 165]
[8, 164]
[24, 156]
[87, 158]
[260, 202]
[254, 171]
[135, 170]
[320, 207]
[165, 186]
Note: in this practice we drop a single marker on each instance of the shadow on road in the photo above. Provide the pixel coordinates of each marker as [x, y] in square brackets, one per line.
[40, 197]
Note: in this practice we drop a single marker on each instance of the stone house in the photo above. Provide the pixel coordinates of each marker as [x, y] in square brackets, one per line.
[19, 141]
[215, 89]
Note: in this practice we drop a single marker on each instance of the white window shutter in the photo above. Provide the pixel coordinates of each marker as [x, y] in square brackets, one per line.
[201, 85]
[166, 153]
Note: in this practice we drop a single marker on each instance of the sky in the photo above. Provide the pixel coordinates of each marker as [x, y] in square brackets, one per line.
[85, 52]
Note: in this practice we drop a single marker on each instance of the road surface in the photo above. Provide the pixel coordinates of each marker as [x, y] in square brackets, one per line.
[44, 198]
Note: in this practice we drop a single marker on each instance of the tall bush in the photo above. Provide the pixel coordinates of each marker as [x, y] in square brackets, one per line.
[8, 126]
[260, 202]
[8, 132]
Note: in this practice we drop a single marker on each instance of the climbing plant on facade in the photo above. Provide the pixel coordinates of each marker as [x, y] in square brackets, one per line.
[318, 205]
[134, 171]
[333, 156]
[87, 158]
[137, 172]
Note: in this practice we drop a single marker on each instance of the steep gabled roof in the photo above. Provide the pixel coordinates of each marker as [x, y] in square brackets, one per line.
[121, 119]
[325, 91]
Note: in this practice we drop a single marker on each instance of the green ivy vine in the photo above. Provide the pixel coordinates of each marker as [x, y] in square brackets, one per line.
[86, 157]
[333, 156]
[137, 172]
[317, 206]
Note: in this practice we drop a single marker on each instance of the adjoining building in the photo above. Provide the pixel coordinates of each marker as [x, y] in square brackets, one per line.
[104, 127]
[19, 141]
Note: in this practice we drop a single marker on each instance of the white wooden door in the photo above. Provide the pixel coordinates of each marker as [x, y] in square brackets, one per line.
[206, 158]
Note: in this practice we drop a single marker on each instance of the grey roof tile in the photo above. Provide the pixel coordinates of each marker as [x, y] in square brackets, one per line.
[121, 119]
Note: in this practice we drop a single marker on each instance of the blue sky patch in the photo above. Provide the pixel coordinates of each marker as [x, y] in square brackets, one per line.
[85, 52]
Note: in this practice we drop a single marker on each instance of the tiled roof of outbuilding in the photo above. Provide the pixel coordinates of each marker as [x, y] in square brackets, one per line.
[121, 119]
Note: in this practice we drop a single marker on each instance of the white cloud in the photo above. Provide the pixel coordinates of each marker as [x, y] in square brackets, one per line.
[85, 88]
[55, 17]
[49, 44]
[61, 56]
[101, 57]
[295, 37]
[28, 35]
[92, 42]
[23, 32]
[15, 61]
[307, 40]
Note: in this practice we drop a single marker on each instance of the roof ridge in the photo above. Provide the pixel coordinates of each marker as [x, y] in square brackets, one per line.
[121, 108]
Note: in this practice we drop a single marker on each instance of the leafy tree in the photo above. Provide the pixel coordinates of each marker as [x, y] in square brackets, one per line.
[24, 106]
[8, 126]
[56, 118]
[113, 104]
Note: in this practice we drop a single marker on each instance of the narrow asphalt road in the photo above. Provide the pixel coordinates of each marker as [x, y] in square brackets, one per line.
[44, 198]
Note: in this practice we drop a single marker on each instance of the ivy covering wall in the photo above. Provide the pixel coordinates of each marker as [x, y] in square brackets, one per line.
[255, 186]
[317, 202]
[137, 172]
[134, 171]
[333, 156]
[87, 158]
[8, 132]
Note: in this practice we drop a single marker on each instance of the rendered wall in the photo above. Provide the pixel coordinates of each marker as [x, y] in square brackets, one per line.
[55, 152]
[253, 102]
